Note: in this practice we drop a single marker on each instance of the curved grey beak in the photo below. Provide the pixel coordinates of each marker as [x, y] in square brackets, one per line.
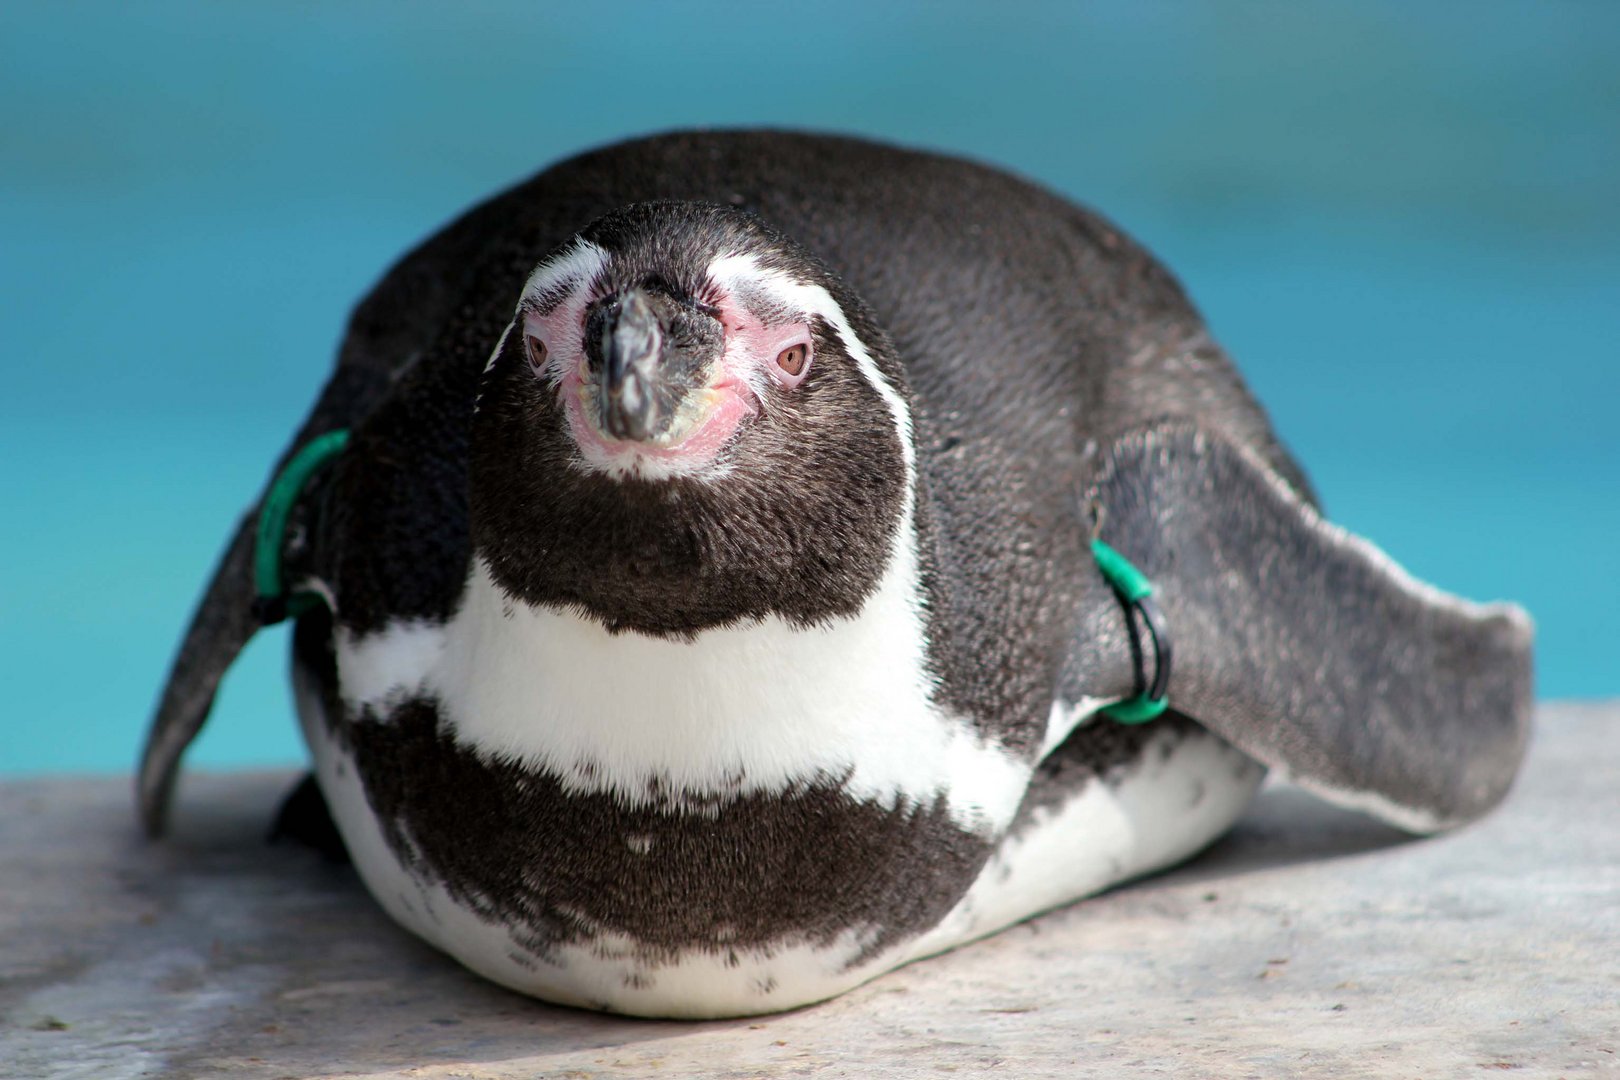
[633, 345]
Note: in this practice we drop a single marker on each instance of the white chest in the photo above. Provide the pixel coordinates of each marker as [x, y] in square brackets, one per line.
[761, 707]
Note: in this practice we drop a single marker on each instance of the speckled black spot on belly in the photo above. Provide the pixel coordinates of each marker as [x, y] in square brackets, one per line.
[751, 871]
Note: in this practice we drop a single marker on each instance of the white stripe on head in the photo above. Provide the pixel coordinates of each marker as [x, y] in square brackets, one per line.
[500, 345]
[562, 275]
[741, 274]
[553, 282]
[554, 302]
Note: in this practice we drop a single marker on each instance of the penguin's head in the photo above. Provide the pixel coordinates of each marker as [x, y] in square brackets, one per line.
[689, 423]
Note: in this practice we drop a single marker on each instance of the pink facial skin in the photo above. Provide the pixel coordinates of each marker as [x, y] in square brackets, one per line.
[751, 349]
[761, 345]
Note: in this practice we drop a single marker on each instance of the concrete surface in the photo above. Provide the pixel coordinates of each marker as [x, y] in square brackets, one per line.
[1311, 942]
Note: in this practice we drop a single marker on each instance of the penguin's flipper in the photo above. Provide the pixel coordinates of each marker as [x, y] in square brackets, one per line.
[223, 624]
[1306, 647]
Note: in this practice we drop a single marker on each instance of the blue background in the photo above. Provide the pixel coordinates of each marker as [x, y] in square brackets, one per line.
[1401, 219]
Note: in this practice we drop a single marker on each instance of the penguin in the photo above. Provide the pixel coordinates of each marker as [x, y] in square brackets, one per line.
[705, 611]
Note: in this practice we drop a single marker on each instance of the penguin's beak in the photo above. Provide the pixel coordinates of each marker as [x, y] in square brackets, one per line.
[633, 342]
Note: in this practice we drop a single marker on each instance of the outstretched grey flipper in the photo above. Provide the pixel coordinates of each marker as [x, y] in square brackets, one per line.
[222, 626]
[386, 334]
[1306, 647]
[225, 619]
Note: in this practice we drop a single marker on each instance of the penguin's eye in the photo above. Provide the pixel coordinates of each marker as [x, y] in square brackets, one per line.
[791, 359]
[792, 353]
[537, 350]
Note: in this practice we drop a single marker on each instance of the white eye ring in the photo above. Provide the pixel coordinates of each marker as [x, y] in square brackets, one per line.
[792, 353]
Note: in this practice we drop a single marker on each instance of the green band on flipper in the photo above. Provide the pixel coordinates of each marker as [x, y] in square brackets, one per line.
[1135, 590]
[268, 585]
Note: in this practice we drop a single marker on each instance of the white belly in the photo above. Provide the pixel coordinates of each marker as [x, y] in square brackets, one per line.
[1165, 810]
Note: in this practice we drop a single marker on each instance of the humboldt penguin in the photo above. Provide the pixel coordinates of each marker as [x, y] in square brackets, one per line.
[729, 565]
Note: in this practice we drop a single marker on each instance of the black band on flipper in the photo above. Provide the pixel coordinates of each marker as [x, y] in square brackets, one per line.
[1163, 653]
[246, 594]
[1306, 648]
[1135, 592]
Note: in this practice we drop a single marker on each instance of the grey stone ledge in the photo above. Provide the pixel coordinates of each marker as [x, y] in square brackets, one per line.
[1309, 942]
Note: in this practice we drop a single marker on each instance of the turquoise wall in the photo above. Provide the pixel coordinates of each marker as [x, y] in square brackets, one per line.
[1401, 219]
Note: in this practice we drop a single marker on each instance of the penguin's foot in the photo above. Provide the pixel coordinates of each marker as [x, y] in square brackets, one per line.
[304, 819]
